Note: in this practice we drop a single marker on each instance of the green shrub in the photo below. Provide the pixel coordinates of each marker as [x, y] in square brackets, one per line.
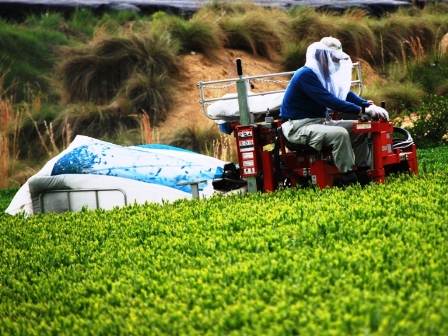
[49, 20]
[82, 23]
[430, 122]
[6, 196]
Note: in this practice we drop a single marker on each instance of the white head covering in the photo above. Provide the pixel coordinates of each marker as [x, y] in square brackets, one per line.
[332, 43]
[332, 67]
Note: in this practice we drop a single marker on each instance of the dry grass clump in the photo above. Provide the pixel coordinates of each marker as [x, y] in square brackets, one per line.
[197, 138]
[353, 30]
[220, 9]
[10, 124]
[261, 32]
[444, 44]
[201, 33]
[294, 55]
[96, 72]
[106, 122]
[396, 34]
[5, 119]
[310, 26]
[115, 77]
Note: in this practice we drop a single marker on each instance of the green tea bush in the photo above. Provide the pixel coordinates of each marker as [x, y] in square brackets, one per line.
[432, 159]
[6, 196]
[357, 261]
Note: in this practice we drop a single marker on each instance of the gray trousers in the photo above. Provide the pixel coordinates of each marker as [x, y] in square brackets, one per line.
[348, 148]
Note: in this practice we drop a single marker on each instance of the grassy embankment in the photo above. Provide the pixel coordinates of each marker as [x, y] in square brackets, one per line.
[113, 77]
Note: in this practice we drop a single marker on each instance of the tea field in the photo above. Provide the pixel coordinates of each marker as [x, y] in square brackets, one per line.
[369, 261]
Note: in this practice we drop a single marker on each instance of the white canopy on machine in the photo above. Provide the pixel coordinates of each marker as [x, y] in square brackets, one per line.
[227, 109]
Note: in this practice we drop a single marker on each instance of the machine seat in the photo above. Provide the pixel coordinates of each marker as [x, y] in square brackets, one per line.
[294, 146]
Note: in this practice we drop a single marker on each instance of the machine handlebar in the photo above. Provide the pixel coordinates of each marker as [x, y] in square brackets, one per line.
[239, 67]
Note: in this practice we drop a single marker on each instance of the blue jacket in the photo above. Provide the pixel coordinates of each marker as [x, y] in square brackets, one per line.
[305, 97]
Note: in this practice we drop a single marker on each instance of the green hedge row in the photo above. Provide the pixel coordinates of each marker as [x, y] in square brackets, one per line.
[328, 262]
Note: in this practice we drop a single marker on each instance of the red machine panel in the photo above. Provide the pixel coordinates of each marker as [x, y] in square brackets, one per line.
[247, 150]
[384, 154]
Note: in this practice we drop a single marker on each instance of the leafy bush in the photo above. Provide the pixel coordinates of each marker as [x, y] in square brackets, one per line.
[6, 196]
[294, 262]
[430, 122]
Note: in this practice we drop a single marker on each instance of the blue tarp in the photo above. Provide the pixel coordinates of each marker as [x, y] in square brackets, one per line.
[158, 164]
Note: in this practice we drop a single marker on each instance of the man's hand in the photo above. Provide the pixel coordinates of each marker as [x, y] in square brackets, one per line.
[376, 112]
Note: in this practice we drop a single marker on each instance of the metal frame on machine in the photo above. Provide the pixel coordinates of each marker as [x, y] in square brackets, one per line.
[227, 83]
[66, 203]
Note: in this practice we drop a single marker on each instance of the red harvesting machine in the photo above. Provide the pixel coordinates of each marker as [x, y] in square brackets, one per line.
[267, 161]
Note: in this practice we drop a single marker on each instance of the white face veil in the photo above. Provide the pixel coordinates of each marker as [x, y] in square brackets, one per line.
[332, 67]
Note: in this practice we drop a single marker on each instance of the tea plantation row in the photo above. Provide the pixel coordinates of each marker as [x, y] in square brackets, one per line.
[358, 261]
